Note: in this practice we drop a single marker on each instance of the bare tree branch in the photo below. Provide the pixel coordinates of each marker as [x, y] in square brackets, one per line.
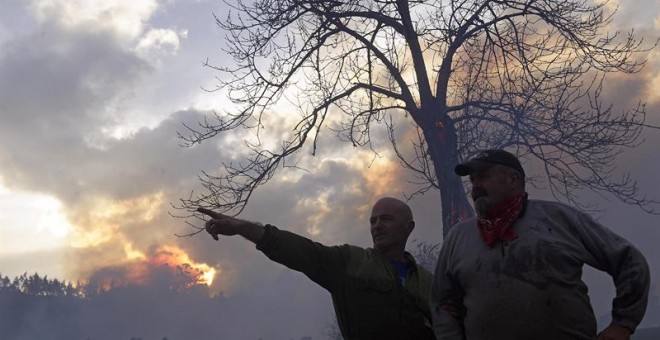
[525, 75]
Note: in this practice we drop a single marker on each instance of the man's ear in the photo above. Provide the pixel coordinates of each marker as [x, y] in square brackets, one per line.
[411, 225]
[515, 178]
[521, 181]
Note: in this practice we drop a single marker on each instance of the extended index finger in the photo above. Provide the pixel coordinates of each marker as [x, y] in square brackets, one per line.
[209, 212]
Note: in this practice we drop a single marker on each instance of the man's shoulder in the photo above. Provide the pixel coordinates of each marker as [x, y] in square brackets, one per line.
[552, 207]
[548, 204]
[354, 248]
[464, 227]
[356, 253]
[557, 213]
[467, 221]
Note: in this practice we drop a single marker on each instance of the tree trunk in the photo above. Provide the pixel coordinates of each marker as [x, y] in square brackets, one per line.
[441, 140]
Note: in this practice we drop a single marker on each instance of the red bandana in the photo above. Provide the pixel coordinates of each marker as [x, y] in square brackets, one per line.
[498, 224]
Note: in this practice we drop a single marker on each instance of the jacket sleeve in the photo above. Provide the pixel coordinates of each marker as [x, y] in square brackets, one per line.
[446, 299]
[613, 254]
[322, 264]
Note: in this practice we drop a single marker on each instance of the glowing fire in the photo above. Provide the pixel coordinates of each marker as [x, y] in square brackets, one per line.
[175, 257]
[462, 213]
[122, 258]
[168, 265]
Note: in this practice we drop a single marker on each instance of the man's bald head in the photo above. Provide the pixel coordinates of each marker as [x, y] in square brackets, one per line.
[394, 205]
[391, 224]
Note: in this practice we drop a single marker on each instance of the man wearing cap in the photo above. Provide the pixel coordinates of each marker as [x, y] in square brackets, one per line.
[514, 271]
[379, 293]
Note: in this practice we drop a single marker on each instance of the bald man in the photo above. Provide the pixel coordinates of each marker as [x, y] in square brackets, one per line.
[378, 293]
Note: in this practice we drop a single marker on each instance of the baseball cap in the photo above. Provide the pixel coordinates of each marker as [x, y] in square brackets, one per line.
[486, 159]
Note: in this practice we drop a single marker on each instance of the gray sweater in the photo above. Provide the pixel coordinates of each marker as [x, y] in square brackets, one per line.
[531, 287]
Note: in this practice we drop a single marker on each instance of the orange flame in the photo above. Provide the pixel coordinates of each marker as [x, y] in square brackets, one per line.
[167, 263]
[459, 211]
[175, 257]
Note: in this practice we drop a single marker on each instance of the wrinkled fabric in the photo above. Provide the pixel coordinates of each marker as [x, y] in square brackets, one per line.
[369, 300]
[531, 287]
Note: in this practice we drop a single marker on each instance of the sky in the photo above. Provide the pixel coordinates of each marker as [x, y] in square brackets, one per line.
[92, 95]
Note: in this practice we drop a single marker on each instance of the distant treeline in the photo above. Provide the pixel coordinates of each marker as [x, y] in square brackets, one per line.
[37, 307]
[36, 285]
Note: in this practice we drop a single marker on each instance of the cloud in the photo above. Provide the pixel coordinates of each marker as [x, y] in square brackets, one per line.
[126, 18]
[58, 91]
[62, 88]
[159, 42]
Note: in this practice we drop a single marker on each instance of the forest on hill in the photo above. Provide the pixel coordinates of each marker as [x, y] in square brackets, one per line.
[38, 307]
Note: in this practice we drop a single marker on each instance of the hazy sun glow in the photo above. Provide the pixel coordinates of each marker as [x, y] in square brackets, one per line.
[30, 216]
[52, 220]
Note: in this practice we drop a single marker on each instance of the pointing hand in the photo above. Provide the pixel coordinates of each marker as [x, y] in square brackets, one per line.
[219, 223]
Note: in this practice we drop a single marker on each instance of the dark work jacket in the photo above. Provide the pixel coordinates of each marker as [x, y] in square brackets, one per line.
[369, 300]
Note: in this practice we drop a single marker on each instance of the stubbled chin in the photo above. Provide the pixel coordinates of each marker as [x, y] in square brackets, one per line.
[380, 241]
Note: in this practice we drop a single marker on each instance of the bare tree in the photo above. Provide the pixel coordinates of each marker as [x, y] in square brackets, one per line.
[525, 75]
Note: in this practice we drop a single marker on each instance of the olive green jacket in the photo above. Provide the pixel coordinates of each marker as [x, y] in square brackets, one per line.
[369, 300]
